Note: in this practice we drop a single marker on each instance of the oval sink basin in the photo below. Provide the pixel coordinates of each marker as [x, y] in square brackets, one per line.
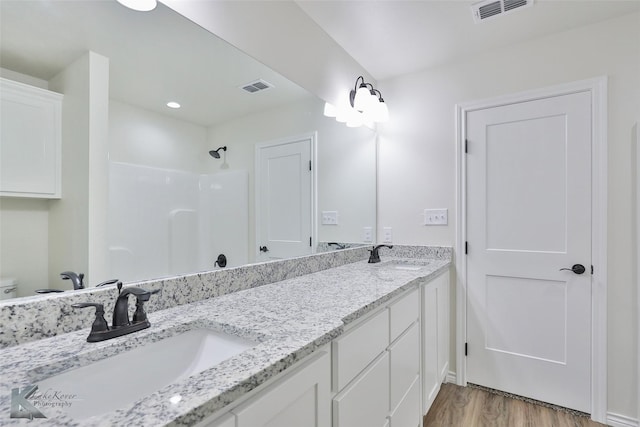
[120, 380]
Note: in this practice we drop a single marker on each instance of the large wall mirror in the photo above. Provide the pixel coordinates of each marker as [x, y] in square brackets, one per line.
[157, 202]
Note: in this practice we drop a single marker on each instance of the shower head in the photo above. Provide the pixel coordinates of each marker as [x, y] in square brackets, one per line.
[215, 154]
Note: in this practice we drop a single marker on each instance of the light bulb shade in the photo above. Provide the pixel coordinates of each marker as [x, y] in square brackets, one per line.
[356, 119]
[330, 110]
[139, 5]
[380, 112]
[362, 99]
[342, 115]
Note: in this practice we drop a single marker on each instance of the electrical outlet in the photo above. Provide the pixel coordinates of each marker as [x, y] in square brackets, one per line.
[387, 235]
[329, 217]
[436, 217]
[367, 235]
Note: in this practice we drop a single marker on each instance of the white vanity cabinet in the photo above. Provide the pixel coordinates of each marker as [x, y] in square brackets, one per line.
[376, 368]
[298, 397]
[435, 337]
[30, 141]
[383, 371]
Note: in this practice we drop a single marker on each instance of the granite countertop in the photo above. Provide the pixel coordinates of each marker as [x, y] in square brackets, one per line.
[289, 319]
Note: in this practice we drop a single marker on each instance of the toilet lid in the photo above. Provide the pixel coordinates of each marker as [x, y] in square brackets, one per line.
[6, 282]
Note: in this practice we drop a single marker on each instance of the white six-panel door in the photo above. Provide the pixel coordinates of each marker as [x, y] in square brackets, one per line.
[284, 199]
[528, 216]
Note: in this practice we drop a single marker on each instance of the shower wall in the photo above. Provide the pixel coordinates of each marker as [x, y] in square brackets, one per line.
[166, 222]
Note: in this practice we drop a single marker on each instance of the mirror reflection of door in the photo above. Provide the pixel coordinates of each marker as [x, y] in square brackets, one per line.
[284, 198]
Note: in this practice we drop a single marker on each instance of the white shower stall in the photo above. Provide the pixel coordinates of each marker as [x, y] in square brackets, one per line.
[166, 222]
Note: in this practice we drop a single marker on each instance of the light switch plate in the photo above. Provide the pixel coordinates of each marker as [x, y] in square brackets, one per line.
[387, 235]
[329, 217]
[436, 217]
[367, 235]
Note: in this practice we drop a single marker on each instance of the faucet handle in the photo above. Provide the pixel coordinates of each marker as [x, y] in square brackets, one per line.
[106, 282]
[99, 324]
[141, 294]
[140, 315]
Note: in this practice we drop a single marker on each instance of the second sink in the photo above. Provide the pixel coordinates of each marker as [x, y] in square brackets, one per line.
[411, 265]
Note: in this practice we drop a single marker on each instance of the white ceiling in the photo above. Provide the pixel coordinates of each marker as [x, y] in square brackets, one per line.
[389, 38]
[160, 56]
[154, 57]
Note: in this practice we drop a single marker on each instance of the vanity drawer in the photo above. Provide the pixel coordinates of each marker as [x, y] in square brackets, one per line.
[405, 363]
[365, 402]
[407, 414]
[354, 350]
[404, 312]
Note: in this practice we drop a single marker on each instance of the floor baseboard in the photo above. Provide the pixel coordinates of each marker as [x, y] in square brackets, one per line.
[451, 377]
[617, 420]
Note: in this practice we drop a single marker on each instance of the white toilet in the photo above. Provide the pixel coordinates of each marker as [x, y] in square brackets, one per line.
[8, 288]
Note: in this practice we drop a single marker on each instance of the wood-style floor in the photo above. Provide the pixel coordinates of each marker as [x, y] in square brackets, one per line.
[471, 407]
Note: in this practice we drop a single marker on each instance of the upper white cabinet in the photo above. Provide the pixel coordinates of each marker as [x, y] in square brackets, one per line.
[30, 141]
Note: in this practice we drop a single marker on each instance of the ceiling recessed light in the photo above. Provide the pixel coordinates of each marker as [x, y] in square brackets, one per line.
[139, 5]
[173, 104]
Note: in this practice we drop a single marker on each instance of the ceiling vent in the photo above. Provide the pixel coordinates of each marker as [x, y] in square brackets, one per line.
[491, 8]
[256, 86]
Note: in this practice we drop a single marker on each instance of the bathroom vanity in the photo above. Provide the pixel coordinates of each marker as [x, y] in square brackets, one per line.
[356, 344]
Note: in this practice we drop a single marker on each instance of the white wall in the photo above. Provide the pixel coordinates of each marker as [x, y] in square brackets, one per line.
[143, 137]
[636, 213]
[85, 84]
[417, 153]
[23, 78]
[24, 248]
[345, 163]
[98, 178]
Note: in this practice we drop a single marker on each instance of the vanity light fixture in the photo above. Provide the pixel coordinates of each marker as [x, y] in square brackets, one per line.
[139, 5]
[173, 104]
[365, 105]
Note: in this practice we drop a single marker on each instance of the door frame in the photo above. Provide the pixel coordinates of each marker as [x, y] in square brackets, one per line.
[598, 89]
[312, 137]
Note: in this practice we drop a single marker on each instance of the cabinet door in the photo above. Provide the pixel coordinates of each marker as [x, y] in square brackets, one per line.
[301, 398]
[29, 141]
[430, 374]
[442, 285]
[365, 402]
[435, 337]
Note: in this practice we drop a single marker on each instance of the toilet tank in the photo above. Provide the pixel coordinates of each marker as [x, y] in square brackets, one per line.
[8, 288]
